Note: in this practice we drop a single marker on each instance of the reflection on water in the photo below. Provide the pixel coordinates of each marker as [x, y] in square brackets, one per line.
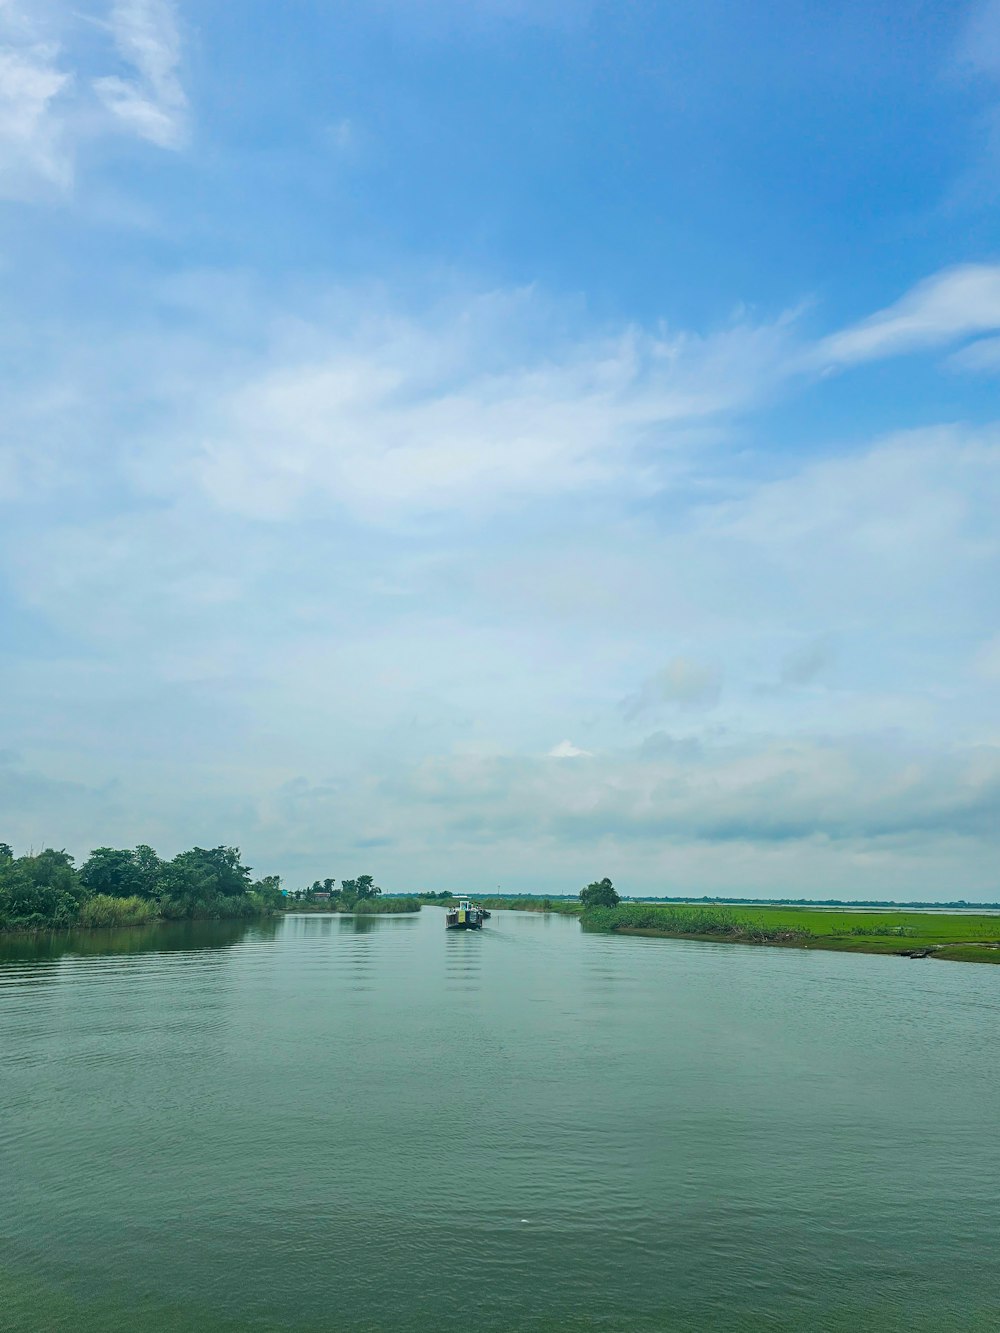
[311, 1123]
[157, 937]
[464, 960]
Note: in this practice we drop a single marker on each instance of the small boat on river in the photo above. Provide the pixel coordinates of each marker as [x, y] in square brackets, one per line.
[466, 916]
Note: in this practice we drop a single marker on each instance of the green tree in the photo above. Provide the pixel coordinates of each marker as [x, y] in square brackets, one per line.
[602, 893]
[40, 890]
[121, 873]
[366, 887]
[6, 852]
[110, 871]
[268, 890]
[205, 880]
[149, 868]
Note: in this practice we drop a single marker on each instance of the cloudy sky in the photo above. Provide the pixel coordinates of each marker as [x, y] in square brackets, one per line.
[505, 442]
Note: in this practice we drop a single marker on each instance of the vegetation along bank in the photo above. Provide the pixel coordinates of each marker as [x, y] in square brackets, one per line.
[953, 936]
[361, 897]
[132, 886]
[129, 886]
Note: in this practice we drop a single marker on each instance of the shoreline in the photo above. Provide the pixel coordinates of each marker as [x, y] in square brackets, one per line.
[957, 936]
[971, 951]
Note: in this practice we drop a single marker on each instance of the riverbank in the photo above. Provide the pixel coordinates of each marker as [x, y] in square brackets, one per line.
[954, 937]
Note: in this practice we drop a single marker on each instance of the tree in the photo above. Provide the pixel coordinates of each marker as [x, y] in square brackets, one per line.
[40, 890]
[602, 893]
[111, 871]
[6, 851]
[201, 877]
[148, 868]
[366, 887]
[268, 890]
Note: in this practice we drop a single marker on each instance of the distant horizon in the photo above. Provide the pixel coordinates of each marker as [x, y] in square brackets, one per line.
[729, 898]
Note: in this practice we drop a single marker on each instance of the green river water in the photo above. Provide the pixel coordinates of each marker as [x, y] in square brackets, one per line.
[326, 1124]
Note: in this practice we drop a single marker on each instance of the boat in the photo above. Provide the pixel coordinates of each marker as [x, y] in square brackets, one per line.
[466, 916]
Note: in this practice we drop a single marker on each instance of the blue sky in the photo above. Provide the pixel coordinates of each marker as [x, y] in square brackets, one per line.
[503, 443]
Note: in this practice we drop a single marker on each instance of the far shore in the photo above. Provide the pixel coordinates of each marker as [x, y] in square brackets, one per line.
[951, 936]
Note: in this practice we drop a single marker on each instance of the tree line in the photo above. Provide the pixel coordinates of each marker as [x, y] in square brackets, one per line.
[351, 892]
[116, 886]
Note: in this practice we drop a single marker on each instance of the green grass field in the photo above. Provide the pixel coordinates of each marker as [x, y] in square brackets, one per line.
[953, 936]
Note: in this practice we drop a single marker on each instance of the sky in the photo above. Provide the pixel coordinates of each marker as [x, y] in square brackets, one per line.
[503, 443]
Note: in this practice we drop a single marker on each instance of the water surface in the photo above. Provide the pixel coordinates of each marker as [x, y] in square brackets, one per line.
[322, 1123]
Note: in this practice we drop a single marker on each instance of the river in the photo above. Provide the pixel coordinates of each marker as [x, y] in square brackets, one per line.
[319, 1123]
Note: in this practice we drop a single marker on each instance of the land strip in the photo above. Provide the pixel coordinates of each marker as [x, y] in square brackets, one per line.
[952, 936]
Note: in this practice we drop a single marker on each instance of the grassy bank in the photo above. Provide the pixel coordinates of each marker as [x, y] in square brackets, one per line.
[952, 936]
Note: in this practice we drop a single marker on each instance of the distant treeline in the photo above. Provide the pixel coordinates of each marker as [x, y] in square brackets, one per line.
[361, 895]
[121, 886]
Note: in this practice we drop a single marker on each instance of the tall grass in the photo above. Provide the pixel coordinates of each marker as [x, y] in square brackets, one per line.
[103, 910]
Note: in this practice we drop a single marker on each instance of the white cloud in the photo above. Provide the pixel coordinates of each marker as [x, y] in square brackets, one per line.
[751, 791]
[151, 102]
[567, 750]
[33, 87]
[955, 303]
[392, 416]
[330, 679]
[981, 357]
[47, 97]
